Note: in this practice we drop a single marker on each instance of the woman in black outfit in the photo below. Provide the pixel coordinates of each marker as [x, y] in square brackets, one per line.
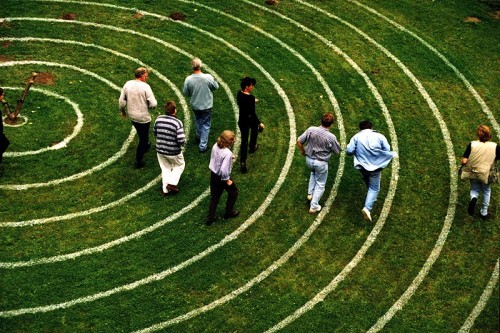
[248, 121]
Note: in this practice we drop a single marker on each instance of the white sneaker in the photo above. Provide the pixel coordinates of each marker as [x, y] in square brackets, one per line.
[366, 214]
[314, 210]
[309, 197]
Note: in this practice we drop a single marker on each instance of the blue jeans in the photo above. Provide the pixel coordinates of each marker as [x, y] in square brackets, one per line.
[317, 180]
[372, 181]
[203, 121]
[475, 188]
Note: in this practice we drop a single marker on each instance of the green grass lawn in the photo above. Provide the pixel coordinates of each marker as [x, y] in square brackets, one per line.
[88, 244]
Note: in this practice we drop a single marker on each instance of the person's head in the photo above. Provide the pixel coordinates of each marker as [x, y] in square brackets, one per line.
[365, 124]
[247, 82]
[196, 64]
[483, 133]
[327, 120]
[170, 108]
[141, 73]
[226, 139]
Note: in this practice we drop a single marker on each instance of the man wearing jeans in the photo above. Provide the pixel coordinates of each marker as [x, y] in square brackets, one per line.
[199, 86]
[371, 154]
[318, 144]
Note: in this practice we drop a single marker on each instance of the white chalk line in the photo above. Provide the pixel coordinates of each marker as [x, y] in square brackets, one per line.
[63, 143]
[228, 238]
[481, 304]
[452, 200]
[485, 109]
[469, 86]
[101, 166]
[305, 237]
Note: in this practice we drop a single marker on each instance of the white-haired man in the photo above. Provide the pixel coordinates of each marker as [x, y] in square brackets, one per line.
[198, 87]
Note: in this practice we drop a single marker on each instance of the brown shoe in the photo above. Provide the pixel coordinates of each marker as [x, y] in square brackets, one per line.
[172, 189]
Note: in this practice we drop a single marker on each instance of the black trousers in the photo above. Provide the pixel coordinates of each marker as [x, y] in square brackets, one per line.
[144, 144]
[253, 131]
[217, 187]
[4, 144]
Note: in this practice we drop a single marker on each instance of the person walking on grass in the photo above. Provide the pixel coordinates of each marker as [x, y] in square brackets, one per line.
[4, 142]
[248, 122]
[221, 160]
[317, 144]
[170, 139]
[136, 98]
[372, 154]
[477, 160]
[198, 87]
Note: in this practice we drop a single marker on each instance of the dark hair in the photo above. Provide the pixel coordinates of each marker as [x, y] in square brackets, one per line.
[170, 107]
[327, 119]
[483, 133]
[247, 81]
[1, 91]
[365, 124]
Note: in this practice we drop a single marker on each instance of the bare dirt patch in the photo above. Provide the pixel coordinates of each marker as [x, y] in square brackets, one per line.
[138, 15]
[271, 2]
[496, 14]
[178, 16]
[3, 58]
[6, 44]
[45, 79]
[472, 19]
[69, 16]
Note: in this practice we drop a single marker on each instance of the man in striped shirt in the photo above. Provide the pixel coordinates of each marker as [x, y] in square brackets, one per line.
[318, 144]
[170, 139]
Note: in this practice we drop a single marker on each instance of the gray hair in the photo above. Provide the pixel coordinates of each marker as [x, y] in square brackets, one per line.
[196, 63]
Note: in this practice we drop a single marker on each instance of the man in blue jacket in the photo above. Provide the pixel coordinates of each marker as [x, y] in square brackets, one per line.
[372, 154]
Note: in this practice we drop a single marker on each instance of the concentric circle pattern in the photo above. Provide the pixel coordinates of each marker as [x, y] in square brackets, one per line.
[89, 244]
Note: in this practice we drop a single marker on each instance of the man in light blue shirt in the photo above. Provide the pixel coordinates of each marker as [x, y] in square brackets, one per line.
[372, 153]
[199, 86]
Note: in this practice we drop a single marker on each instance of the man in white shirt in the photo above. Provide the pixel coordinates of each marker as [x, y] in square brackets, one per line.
[135, 100]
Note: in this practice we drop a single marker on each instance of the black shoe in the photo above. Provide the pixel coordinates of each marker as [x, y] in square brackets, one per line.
[233, 214]
[209, 221]
[485, 217]
[254, 149]
[244, 168]
[472, 206]
[139, 165]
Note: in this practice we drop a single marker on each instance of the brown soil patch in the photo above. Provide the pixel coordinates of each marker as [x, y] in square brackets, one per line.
[3, 58]
[45, 79]
[69, 16]
[138, 15]
[178, 16]
[472, 19]
[496, 15]
[6, 44]
[271, 2]
[375, 70]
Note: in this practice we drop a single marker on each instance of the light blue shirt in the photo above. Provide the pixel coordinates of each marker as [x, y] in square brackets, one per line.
[370, 149]
[199, 88]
